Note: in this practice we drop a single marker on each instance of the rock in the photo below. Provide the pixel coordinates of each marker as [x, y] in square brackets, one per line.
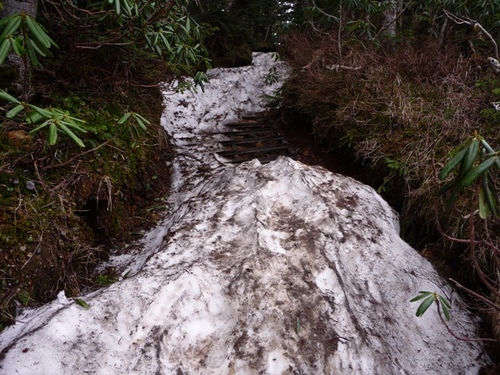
[268, 269]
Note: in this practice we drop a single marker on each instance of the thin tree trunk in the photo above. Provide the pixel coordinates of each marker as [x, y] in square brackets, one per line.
[391, 14]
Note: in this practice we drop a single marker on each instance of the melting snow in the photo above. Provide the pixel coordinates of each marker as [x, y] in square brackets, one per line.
[260, 269]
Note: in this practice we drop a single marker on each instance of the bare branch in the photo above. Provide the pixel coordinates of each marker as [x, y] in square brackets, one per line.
[472, 293]
[476, 25]
[458, 337]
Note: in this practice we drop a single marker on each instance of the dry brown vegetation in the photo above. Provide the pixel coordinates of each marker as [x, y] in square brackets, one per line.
[401, 109]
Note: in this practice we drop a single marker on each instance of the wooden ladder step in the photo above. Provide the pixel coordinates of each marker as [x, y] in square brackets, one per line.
[253, 150]
[244, 141]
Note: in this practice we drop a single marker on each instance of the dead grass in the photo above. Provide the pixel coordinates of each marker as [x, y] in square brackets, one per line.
[401, 110]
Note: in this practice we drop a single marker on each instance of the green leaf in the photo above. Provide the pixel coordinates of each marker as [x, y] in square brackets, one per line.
[30, 48]
[142, 118]
[72, 135]
[490, 150]
[8, 97]
[73, 126]
[38, 33]
[444, 302]
[40, 49]
[17, 46]
[41, 126]
[488, 194]
[446, 312]
[11, 26]
[469, 158]
[140, 122]
[4, 50]
[14, 111]
[34, 117]
[81, 303]
[43, 112]
[474, 173]
[484, 211]
[52, 134]
[424, 306]
[420, 296]
[124, 118]
[445, 306]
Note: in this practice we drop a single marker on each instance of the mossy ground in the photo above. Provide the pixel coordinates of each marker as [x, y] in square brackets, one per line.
[63, 208]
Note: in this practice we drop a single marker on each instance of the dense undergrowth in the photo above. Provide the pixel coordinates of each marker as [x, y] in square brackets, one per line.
[400, 109]
[63, 208]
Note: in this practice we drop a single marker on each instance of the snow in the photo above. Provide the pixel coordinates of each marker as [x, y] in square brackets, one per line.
[271, 269]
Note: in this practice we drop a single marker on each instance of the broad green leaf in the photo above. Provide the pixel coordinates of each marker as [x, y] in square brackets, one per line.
[488, 193]
[81, 303]
[444, 302]
[445, 305]
[73, 126]
[446, 312]
[469, 158]
[484, 211]
[30, 49]
[41, 126]
[40, 49]
[490, 150]
[3, 21]
[52, 134]
[14, 111]
[4, 50]
[17, 46]
[38, 32]
[454, 161]
[124, 118]
[11, 27]
[8, 97]
[72, 135]
[421, 295]
[34, 117]
[142, 118]
[43, 112]
[140, 122]
[474, 173]
[424, 306]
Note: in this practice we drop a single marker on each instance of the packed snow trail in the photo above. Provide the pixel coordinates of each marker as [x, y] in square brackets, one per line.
[270, 269]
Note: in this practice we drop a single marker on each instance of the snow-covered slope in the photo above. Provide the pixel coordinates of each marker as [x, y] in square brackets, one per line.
[261, 269]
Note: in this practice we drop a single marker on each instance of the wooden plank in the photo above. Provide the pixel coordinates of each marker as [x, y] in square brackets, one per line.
[236, 142]
[250, 125]
[253, 150]
[249, 132]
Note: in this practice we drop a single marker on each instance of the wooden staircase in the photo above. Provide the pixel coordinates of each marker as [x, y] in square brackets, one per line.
[254, 137]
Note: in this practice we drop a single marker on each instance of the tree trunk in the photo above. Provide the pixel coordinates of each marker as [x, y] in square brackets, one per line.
[391, 14]
[15, 72]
